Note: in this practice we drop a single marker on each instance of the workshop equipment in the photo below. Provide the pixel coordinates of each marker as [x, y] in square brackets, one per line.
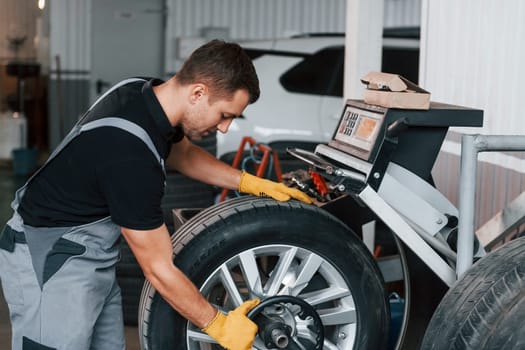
[386, 230]
[279, 319]
[384, 157]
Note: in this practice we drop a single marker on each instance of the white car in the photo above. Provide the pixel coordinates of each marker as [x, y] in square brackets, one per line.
[301, 96]
[301, 82]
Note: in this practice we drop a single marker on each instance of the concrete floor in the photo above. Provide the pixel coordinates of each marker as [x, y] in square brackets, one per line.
[8, 185]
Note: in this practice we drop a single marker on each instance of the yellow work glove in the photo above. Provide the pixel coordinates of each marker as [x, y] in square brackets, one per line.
[234, 331]
[266, 188]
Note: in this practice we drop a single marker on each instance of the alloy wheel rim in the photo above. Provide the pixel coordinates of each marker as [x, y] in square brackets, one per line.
[278, 269]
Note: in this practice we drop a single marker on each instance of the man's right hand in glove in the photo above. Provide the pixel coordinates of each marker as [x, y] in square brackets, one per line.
[234, 331]
[266, 188]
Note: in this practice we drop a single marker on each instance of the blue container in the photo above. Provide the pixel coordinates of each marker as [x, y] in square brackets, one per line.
[397, 309]
[24, 161]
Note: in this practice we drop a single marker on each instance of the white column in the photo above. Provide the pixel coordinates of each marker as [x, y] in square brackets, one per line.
[364, 37]
[70, 36]
[70, 41]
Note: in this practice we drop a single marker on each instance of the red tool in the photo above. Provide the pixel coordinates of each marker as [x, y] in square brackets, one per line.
[320, 184]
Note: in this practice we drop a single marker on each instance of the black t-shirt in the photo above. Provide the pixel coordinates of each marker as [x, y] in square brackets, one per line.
[107, 171]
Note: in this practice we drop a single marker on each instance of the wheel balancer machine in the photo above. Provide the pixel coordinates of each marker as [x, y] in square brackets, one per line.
[383, 157]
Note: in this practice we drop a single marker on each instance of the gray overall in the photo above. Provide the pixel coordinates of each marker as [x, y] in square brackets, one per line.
[59, 283]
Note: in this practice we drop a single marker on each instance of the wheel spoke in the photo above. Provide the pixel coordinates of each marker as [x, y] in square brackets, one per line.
[280, 271]
[306, 271]
[328, 345]
[305, 259]
[198, 336]
[328, 294]
[251, 272]
[305, 333]
[292, 271]
[296, 345]
[337, 316]
[231, 287]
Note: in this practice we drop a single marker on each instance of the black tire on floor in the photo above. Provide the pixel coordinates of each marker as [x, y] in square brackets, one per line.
[130, 290]
[183, 192]
[300, 243]
[130, 279]
[486, 308]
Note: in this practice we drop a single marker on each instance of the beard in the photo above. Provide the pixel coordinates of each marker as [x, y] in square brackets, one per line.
[190, 124]
[192, 133]
[193, 136]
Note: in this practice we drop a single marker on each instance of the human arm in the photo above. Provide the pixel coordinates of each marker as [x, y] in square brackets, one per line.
[153, 251]
[193, 161]
[196, 163]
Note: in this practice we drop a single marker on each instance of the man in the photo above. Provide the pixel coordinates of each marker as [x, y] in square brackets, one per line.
[58, 251]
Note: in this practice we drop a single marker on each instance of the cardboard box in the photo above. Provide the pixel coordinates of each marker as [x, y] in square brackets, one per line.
[394, 91]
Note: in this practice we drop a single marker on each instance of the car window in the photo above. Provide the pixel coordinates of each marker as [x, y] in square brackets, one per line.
[254, 53]
[319, 74]
[402, 61]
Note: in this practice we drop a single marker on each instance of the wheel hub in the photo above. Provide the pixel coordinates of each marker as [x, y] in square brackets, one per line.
[281, 318]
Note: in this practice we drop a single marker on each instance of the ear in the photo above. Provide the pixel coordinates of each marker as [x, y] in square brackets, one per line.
[197, 91]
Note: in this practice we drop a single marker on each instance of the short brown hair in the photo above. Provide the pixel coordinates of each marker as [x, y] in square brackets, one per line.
[223, 67]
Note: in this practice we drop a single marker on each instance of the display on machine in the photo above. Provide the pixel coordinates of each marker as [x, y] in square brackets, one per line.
[358, 130]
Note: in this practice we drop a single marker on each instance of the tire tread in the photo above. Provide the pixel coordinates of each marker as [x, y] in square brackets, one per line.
[470, 313]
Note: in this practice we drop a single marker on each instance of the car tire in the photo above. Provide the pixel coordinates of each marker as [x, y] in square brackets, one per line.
[183, 192]
[260, 233]
[486, 308]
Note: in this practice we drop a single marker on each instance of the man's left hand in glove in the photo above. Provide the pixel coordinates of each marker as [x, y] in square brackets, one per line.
[234, 331]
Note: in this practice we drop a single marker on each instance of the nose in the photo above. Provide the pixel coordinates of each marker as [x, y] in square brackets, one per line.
[224, 125]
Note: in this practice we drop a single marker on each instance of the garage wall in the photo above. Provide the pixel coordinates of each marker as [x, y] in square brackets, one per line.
[70, 37]
[472, 54]
[245, 19]
[263, 19]
[400, 13]
[70, 62]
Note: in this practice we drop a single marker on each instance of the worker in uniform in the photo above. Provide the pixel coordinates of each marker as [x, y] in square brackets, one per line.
[59, 249]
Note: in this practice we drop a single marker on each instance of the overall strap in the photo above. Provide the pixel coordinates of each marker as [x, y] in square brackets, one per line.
[83, 125]
[114, 87]
[128, 126]
[75, 131]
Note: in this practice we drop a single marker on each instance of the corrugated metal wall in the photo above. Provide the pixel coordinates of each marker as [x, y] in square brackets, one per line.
[70, 35]
[262, 19]
[400, 13]
[472, 55]
[495, 185]
[70, 45]
[477, 59]
[249, 19]
[253, 19]
[70, 31]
